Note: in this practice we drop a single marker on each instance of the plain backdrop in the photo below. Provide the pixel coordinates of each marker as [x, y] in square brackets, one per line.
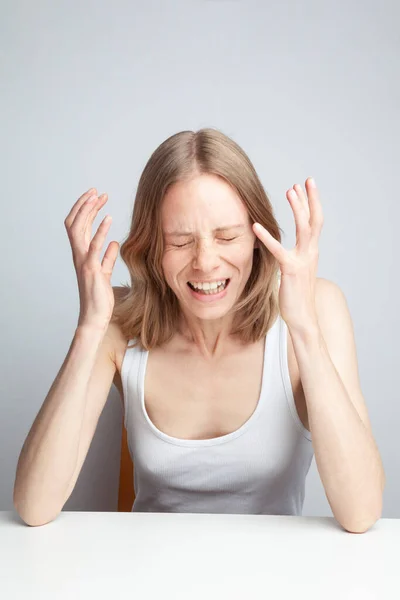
[90, 89]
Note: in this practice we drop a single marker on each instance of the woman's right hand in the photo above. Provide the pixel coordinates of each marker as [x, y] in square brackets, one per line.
[94, 277]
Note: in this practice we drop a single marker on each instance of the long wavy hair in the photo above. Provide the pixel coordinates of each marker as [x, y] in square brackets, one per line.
[147, 311]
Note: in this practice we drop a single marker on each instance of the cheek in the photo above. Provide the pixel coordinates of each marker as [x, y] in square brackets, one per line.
[171, 264]
[241, 254]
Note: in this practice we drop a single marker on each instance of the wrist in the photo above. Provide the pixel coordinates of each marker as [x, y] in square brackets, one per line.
[90, 330]
[307, 331]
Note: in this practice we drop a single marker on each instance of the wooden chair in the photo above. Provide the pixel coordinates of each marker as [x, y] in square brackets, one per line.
[126, 493]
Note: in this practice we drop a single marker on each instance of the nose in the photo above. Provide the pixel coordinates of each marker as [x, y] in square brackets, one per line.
[205, 257]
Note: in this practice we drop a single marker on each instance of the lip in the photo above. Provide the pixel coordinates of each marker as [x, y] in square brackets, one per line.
[209, 297]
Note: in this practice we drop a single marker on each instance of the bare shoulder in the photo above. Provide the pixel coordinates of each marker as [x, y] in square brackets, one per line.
[333, 311]
[329, 296]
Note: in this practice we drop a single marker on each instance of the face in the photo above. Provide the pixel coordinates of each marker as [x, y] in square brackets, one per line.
[208, 238]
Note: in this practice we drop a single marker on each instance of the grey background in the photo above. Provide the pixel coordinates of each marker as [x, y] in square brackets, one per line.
[89, 89]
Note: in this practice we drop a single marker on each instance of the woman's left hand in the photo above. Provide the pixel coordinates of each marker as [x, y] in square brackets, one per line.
[298, 266]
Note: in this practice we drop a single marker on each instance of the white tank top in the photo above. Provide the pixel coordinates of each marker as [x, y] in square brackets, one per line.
[258, 469]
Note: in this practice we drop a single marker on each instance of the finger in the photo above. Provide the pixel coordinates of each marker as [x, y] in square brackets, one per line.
[72, 213]
[110, 256]
[301, 220]
[303, 198]
[83, 221]
[77, 231]
[316, 213]
[98, 240]
[89, 214]
[270, 242]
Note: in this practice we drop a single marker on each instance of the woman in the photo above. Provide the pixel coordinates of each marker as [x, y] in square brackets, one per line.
[235, 362]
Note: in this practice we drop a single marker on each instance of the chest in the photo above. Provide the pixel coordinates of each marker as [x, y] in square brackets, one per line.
[187, 399]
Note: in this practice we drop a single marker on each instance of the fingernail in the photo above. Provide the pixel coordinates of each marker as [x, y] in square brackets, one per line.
[312, 182]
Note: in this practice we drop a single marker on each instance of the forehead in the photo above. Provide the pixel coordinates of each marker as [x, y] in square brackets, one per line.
[204, 201]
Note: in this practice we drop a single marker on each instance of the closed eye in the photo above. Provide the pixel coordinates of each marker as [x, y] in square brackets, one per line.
[222, 240]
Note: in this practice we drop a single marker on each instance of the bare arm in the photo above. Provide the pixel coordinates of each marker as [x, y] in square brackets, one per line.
[59, 439]
[346, 452]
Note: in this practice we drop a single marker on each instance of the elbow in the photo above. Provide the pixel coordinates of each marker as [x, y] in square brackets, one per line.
[357, 527]
[32, 522]
[360, 525]
[363, 517]
[33, 518]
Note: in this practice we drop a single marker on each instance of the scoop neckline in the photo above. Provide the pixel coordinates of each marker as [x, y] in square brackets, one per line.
[222, 439]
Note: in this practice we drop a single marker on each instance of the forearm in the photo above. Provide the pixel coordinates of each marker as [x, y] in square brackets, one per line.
[49, 454]
[346, 454]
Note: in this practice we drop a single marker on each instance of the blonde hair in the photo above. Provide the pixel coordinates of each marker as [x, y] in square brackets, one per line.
[147, 311]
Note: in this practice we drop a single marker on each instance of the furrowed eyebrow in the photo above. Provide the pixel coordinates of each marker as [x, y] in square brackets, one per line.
[217, 230]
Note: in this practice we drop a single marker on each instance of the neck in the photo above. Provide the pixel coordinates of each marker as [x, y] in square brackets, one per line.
[210, 338]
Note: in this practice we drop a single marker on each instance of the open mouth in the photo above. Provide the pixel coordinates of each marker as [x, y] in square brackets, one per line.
[216, 290]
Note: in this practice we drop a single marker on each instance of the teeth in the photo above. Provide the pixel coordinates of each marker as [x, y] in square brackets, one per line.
[210, 288]
[207, 286]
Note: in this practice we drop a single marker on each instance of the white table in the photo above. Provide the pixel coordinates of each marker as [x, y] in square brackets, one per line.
[98, 555]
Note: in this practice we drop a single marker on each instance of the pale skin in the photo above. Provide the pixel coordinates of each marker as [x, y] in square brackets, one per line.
[317, 317]
[204, 383]
[322, 356]
[321, 329]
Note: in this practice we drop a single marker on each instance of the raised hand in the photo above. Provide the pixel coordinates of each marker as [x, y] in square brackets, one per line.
[298, 266]
[94, 277]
